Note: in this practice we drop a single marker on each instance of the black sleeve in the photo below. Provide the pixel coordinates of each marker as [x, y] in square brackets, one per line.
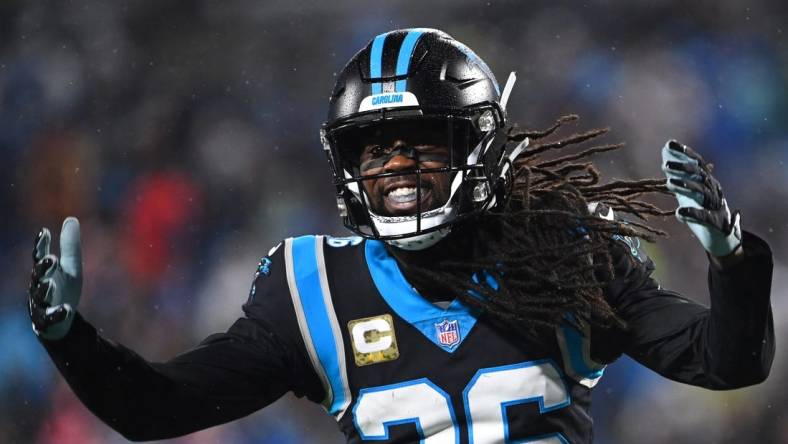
[726, 346]
[227, 376]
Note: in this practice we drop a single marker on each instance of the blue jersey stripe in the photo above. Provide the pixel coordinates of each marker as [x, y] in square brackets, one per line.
[307, 275]
[404, 56]
[376, 62]
[574, 342]
[411, 306]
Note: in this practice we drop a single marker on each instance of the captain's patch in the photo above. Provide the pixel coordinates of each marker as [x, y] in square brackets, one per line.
[373, 340]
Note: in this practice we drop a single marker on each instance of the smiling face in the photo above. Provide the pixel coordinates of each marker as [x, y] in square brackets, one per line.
[397, 195]
[399, 147]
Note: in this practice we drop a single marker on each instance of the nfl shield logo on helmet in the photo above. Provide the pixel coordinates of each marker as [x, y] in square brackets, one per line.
[448, 333]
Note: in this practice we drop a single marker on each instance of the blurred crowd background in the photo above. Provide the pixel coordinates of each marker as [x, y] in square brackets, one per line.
[184, 135]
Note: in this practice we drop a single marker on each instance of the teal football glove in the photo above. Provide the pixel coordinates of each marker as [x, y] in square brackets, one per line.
[701, 203]
[55, 285]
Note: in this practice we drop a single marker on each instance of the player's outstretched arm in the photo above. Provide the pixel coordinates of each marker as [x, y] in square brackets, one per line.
[725, 346]
[229, 375]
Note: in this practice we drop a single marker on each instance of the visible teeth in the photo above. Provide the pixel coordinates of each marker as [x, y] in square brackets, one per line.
[402, 191]
[402, 194]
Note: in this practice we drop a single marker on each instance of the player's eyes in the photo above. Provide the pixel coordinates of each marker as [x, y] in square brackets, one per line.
[376, 151]
[372, 152]
[369, 154]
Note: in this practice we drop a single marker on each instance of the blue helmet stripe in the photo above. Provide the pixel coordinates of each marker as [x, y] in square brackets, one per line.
[403, 59]
[376, 62]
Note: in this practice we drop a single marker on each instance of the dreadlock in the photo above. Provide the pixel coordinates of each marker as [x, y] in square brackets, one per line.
[543, 259]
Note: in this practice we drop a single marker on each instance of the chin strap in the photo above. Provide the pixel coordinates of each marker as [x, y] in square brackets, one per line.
[421, 241]
[512, 155]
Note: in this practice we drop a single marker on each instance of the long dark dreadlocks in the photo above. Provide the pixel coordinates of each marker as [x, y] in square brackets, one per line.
[549, 256]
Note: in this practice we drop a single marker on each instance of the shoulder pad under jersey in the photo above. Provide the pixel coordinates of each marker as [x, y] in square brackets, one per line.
[633, 244]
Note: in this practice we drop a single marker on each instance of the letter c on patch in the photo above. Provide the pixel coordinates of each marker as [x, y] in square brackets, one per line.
[383, 342]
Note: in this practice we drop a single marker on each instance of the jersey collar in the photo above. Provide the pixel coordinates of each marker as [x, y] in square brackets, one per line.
[414, 308]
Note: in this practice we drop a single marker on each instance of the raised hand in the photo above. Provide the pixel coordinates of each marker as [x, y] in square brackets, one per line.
[702, 205]
[55, 284]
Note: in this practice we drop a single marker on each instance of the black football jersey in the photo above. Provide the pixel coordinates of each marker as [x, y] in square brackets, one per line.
[335, 320]
[395, 367]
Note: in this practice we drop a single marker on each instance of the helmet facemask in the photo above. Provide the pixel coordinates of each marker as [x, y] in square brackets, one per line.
[444, 151]
[408, 90]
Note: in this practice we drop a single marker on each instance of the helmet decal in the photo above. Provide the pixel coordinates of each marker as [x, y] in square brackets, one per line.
[404, 55]
[403, 59]
[388, 100]
[376, 62]
[478, 61]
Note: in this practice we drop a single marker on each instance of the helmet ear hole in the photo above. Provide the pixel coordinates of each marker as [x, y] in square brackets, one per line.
[480, 192]
[342, 207]
[486, 122]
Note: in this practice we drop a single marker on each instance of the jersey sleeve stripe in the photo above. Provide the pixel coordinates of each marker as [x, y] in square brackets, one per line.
[340, 404]
[303, 325]
[317, 319]
[576, 352]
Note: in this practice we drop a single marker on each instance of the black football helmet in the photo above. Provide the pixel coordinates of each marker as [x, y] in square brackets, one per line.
[421, 79]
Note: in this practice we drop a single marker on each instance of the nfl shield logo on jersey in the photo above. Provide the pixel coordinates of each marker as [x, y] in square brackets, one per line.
[448, 333]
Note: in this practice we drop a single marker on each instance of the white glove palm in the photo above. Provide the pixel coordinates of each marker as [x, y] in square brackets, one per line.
[701, 203]
[55, 285]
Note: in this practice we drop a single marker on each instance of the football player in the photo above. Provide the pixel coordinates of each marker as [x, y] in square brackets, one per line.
[487, 289]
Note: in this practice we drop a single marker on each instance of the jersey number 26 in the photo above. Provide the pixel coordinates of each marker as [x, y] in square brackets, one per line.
[486, 398]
